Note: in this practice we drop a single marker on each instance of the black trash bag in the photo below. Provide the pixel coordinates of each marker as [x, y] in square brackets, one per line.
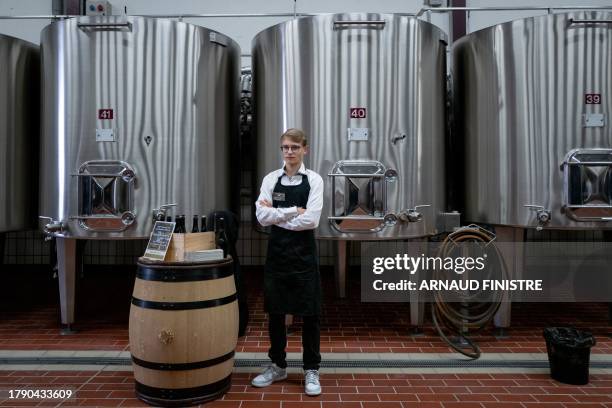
[569, 353]
[232, 226]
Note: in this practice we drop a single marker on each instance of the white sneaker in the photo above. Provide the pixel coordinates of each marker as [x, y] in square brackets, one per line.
[271, 374]
[312, 386]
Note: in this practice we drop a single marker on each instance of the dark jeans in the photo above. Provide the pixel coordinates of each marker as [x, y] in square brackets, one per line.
[310, 341]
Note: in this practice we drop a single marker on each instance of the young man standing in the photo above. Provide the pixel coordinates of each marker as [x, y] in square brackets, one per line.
[291, 200]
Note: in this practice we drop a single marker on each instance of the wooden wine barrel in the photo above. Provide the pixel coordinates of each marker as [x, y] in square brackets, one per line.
[183, 331]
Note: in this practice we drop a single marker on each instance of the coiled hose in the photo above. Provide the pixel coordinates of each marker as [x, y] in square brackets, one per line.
[468, 313]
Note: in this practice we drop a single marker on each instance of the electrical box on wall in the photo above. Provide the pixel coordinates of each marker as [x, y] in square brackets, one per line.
[97, 8]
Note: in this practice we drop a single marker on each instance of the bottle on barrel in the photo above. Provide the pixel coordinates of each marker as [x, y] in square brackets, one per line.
[194, 224]
[221, 236]
[179, 226]
[203, 227]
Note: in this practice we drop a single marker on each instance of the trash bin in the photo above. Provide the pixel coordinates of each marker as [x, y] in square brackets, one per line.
[569, 352]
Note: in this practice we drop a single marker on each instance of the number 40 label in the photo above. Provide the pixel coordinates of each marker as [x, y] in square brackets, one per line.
[358, 113]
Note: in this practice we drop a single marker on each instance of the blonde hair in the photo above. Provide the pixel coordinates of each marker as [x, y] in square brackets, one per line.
[295, 135]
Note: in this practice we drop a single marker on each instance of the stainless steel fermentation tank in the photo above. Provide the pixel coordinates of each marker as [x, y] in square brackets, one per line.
[19, 133]
[533, 110]
[369, 91]
[139, 113]
[534, 104]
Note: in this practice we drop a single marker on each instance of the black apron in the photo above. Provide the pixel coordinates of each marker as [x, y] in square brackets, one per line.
[292, 284]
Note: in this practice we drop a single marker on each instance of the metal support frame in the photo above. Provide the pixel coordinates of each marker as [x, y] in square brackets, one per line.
[607, 237]
[515, 261]
[66, 259]
[2, 246]
[340, 268]
[417, 308]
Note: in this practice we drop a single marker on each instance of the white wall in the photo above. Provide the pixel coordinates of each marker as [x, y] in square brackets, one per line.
[26, 29]
[477, 20]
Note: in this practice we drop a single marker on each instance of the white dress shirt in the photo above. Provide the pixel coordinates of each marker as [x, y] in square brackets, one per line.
[289, 218]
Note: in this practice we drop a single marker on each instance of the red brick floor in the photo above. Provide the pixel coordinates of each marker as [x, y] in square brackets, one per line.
[358, 331]
[347, 324]
[341, 390]
[29, 319]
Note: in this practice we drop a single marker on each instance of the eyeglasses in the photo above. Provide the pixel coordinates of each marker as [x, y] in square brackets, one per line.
[290, 148]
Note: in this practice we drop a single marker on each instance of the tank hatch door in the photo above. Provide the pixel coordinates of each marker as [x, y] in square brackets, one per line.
[587, 184]
[359, 196]
[106, 195]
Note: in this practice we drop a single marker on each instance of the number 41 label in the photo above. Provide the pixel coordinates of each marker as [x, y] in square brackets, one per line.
[105, 114]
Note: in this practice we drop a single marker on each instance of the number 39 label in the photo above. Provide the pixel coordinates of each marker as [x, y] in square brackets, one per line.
[592, 99]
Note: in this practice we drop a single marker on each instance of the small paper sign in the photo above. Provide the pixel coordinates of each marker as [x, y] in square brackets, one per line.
[159, 240]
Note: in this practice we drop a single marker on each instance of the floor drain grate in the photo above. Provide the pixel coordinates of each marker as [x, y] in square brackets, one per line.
[442, 363]
[245, 363]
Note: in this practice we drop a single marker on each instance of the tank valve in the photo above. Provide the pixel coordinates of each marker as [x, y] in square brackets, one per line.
[542, 215]
[390, 220]
[159, 214]
[51, 227]
[127, 175]
[128, 218]
[396, 139]
[412, 215]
